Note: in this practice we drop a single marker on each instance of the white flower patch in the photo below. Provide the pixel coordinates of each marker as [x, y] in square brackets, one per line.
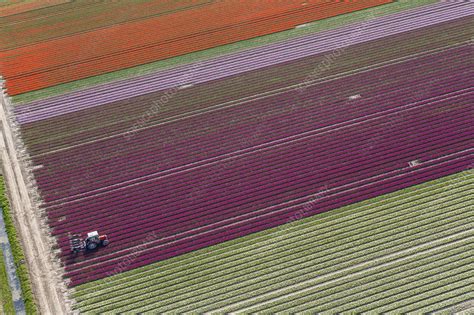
[354, 97]
[414, 163]
[301, 25]
[185, 86]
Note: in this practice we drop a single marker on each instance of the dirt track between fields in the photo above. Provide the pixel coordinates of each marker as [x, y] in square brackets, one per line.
[47, 284]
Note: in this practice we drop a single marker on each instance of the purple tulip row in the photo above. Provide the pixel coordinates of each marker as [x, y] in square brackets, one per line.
[99, 266]
[300, 180]
[152, 153]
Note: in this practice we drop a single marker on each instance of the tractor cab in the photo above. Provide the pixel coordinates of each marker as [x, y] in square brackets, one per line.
[94, 240]
[91, 242]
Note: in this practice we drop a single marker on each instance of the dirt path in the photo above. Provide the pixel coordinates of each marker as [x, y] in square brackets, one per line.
[47, 284]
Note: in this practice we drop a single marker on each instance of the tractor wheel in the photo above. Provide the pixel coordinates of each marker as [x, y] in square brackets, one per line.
[105, 242]
[91, 246]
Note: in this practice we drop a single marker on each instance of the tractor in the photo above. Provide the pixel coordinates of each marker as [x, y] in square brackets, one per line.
[91, 242]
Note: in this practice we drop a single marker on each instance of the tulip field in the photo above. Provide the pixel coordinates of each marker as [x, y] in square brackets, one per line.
[37, 64]
[370, 256]
[328, 171]
[198, 180]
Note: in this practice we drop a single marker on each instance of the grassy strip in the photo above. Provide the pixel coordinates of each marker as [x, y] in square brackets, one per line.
[6, 302]
[17, 252]
[128, 289]
[348, 226]
[314, 27]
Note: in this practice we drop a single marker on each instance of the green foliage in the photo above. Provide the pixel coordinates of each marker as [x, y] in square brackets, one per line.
[6, 302]
[17, 251]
